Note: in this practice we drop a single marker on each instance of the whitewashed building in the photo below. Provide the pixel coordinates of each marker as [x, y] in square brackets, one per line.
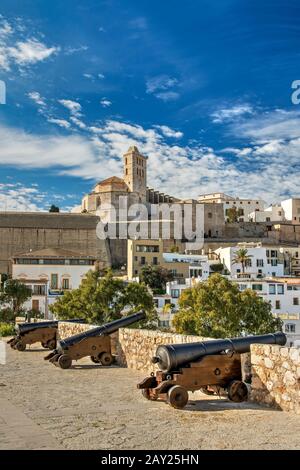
[273, 213]
[291, 208]
[244, 206]
[49, 273]
[264, 261]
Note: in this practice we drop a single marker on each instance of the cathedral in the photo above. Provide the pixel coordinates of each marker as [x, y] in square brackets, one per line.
[133, 185]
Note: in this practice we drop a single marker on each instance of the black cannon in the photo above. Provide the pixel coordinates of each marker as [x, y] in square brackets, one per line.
[95, 343]
[40, 332]
[209, 366]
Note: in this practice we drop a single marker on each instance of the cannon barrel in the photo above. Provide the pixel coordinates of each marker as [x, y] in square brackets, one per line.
[105, 329]
[22, 328]
[172, 356]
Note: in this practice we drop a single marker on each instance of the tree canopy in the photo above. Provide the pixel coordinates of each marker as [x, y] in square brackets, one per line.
[156, 277]
[242, 257]
[13, 295]
[54, 208]
[104, 298]
[217, 308]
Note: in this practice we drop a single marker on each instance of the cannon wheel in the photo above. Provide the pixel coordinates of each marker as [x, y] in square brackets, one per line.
[20, 346]
[237, 391]
[95, 359]
[146, 394]
[177, 397]
[64, 361]
[51, 344]
[106, 359]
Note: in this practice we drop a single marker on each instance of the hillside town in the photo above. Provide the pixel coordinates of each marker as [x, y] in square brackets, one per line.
[253, 245]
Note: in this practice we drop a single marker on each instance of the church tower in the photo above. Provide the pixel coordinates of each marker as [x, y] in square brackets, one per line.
[135, 172]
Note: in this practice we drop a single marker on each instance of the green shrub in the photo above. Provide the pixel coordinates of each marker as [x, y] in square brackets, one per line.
[7, 329]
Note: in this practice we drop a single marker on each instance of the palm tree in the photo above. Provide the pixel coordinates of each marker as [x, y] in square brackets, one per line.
[241, 257]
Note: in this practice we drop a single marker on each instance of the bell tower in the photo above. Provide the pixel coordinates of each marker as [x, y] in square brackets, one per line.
[135, 172]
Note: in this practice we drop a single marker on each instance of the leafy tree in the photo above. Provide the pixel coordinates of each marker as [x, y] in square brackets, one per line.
[54, 208]
[174, 249]
[216, 308]
[233, 214]
[241, 257]
[156, 277]
[13, 295]
[217, 268]
[104, 298]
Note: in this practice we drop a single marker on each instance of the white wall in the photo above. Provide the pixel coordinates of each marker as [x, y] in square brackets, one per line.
[75, 274]
[227, 255]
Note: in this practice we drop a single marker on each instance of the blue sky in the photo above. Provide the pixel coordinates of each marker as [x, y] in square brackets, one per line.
[203, 88]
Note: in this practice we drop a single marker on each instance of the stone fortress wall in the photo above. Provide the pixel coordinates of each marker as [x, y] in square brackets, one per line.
[21, 232]
[275, 369]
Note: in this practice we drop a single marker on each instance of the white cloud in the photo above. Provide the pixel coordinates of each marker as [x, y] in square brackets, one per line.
[100, 75]
[37, 98]
[72, 106]
[105, 103]
[73, 50]
[88, 75]
[229, 114]
[16, 197]
[78, 122]
[168, 132]
[30, 52]
[274, 125]
[160, 82]
[17, 48]
[60, 122]
[167, 95]
[269, 170]
[162, 86]
[5, 29]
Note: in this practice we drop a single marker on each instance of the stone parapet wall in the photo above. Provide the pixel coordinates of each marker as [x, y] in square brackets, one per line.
[276, 376]
[134, 347]
[137, 347]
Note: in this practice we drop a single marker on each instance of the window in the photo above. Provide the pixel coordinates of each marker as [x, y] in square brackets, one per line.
[143, 260]
[155, 262]
[296, 301]
[280, 289]
[147, 248]
[167, 301]
[248, 263]
[175, 293]
[155, 302]
[277, 304]
[273, 262]
[39, 290]
[54, 281]
[242, 287]
[209, 215]
[272, 289]
[259, 262]
[257, 287]
[268, 219]
[289, 288]
[66, 283]
[290, 328]
[296, 254]
[268, 253]
[273, 253]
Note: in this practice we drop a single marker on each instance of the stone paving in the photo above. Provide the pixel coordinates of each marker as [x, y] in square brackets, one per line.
[91, 407]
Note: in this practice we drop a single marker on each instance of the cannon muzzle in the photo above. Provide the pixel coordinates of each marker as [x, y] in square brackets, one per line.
[171, 357]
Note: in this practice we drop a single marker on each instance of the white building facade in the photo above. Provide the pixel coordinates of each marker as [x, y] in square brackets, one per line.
[244, 207]
[49, 273]
[263, 261]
